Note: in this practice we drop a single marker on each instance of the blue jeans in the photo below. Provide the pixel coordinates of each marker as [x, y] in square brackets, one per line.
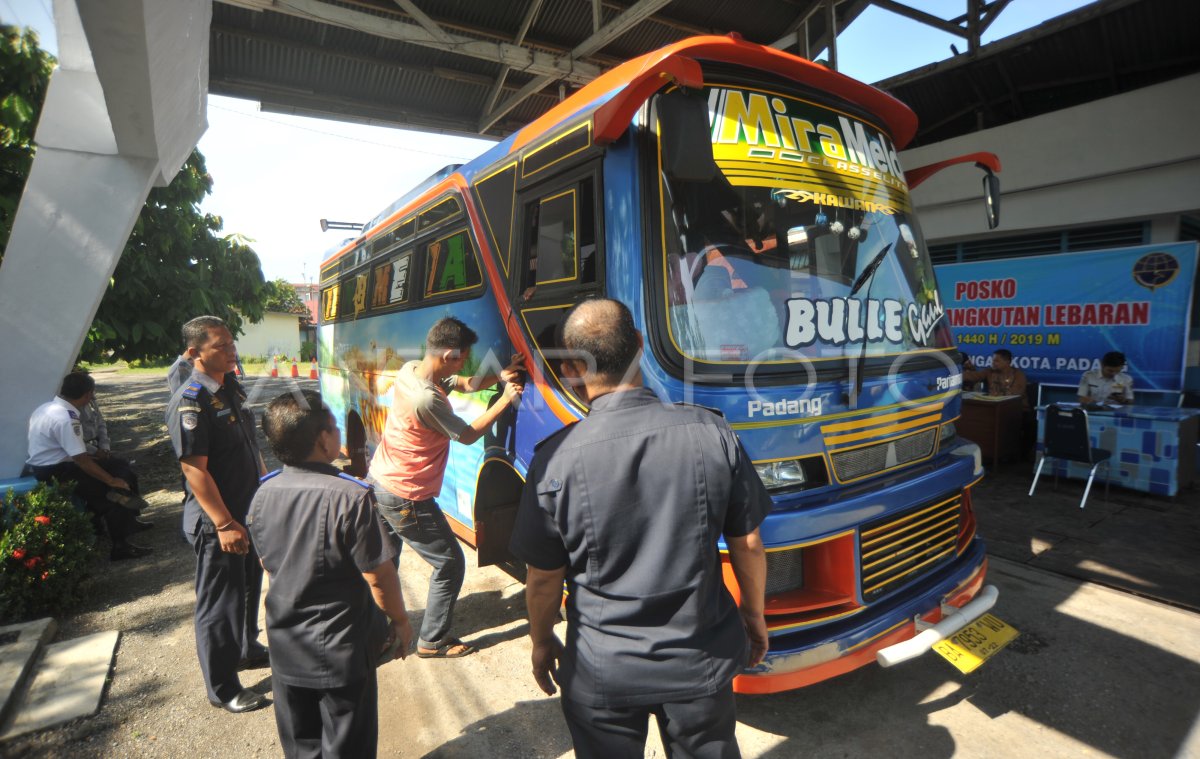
[423, 526]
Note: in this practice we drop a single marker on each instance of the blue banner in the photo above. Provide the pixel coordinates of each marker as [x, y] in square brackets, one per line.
[1059, 314]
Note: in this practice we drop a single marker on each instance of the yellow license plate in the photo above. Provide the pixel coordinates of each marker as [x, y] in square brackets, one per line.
[971, 646]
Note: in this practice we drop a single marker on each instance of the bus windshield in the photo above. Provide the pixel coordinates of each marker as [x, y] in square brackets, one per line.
[760, 263]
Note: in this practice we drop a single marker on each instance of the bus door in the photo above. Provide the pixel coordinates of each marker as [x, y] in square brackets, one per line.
[559, 263]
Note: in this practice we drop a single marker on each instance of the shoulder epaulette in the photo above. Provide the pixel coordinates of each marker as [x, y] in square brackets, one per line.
[269, 475]
[355, 480]
[716, 411]
[552, 435]
[192, 390]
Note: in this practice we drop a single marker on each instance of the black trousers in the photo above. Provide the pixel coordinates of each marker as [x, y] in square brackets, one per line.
[226, 617]
[702, 728]
[120, 522]
[119, 467]
[328, 722]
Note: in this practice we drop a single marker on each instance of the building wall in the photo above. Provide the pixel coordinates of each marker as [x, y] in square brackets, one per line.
[1131, 157]
[276, 334]
[310, 295]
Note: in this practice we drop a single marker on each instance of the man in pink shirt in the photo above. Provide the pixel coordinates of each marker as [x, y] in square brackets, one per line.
[410, 462]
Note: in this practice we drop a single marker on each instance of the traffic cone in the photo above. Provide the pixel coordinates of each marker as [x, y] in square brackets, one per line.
[274, 367]
[312, 369]
[295, 369]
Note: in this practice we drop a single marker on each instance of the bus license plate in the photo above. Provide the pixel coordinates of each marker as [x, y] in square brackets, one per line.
[971, 646]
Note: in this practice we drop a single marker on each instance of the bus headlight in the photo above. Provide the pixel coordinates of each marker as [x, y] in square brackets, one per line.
[777, 475]
[947, 436]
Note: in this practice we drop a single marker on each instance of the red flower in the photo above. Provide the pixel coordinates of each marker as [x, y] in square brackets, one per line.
[32, 562]
[19, 554]
[45, 576]
[42, 519]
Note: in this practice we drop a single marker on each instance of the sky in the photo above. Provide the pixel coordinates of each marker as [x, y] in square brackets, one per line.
[275, 177]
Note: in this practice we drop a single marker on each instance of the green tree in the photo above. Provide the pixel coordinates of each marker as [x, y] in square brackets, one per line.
[24, 73]
[176, 264]
[281, 297]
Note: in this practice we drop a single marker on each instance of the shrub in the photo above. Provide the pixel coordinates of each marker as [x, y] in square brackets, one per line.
[45, 552]
[308, 350]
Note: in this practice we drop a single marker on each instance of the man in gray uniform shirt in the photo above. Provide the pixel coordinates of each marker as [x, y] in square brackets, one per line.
[330, 564]
[213, 434]
[628, 506]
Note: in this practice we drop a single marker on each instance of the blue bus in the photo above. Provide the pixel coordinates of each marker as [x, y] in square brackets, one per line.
[750, 208]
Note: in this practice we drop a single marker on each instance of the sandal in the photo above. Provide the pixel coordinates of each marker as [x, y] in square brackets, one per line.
[450, 648]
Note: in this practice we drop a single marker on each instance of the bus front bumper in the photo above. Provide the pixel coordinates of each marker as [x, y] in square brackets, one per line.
[808, 657]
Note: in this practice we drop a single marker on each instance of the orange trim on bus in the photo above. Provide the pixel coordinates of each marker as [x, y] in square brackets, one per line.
[861, 655]
[446, 184]
[637, 73]
[464, 533]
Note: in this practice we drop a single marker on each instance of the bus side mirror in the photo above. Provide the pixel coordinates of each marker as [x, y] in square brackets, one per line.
[991, 197]
[685, 136]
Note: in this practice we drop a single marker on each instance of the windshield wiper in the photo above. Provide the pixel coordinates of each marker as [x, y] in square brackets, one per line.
[865, 278]
[870, 270]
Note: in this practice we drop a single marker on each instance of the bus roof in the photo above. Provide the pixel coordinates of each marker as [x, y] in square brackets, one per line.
[624, 88]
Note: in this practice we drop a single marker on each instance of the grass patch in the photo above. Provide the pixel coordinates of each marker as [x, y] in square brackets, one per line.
[252, 368]
[122, 367]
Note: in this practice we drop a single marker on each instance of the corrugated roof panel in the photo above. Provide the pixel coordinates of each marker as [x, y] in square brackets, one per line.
[1104, 48]
[1097, 51]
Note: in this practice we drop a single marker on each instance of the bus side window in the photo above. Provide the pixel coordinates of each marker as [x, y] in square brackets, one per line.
[352, 300]
[390, 286]
[558, 264]
[560, 239]
[450, 265]
[329, 303]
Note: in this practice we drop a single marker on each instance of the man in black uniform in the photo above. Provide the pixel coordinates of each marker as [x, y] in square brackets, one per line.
[628, 506]
[213, 434]
[317, 532]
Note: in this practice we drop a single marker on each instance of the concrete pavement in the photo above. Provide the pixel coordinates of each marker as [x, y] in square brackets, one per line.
[1095, 672]
[1143, 544]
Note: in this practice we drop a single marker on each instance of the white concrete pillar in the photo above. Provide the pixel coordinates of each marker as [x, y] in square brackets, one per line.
[123, 111]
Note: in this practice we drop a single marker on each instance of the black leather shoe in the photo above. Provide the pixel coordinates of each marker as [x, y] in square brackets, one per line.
[141, 525]
[128, 551]
[244, 701]
[255, 661]
[136, 503]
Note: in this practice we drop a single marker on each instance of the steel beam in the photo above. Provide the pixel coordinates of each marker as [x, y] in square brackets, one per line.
[498, 86]
[426, 22]
[632, 16]
[541, 64]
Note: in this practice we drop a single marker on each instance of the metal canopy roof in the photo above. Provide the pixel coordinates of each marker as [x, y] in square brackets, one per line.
[465, 66]
[490, 66]
[1100, 50]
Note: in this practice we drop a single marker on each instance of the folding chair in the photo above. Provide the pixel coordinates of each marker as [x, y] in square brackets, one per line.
[1066, 437]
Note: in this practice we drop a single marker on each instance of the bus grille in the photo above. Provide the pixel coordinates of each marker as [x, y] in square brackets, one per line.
[872, 459]
[785, 570]
[902, 548]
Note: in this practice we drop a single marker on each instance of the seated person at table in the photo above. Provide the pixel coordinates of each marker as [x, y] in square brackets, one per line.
[1001, 378]
[1108, 384]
